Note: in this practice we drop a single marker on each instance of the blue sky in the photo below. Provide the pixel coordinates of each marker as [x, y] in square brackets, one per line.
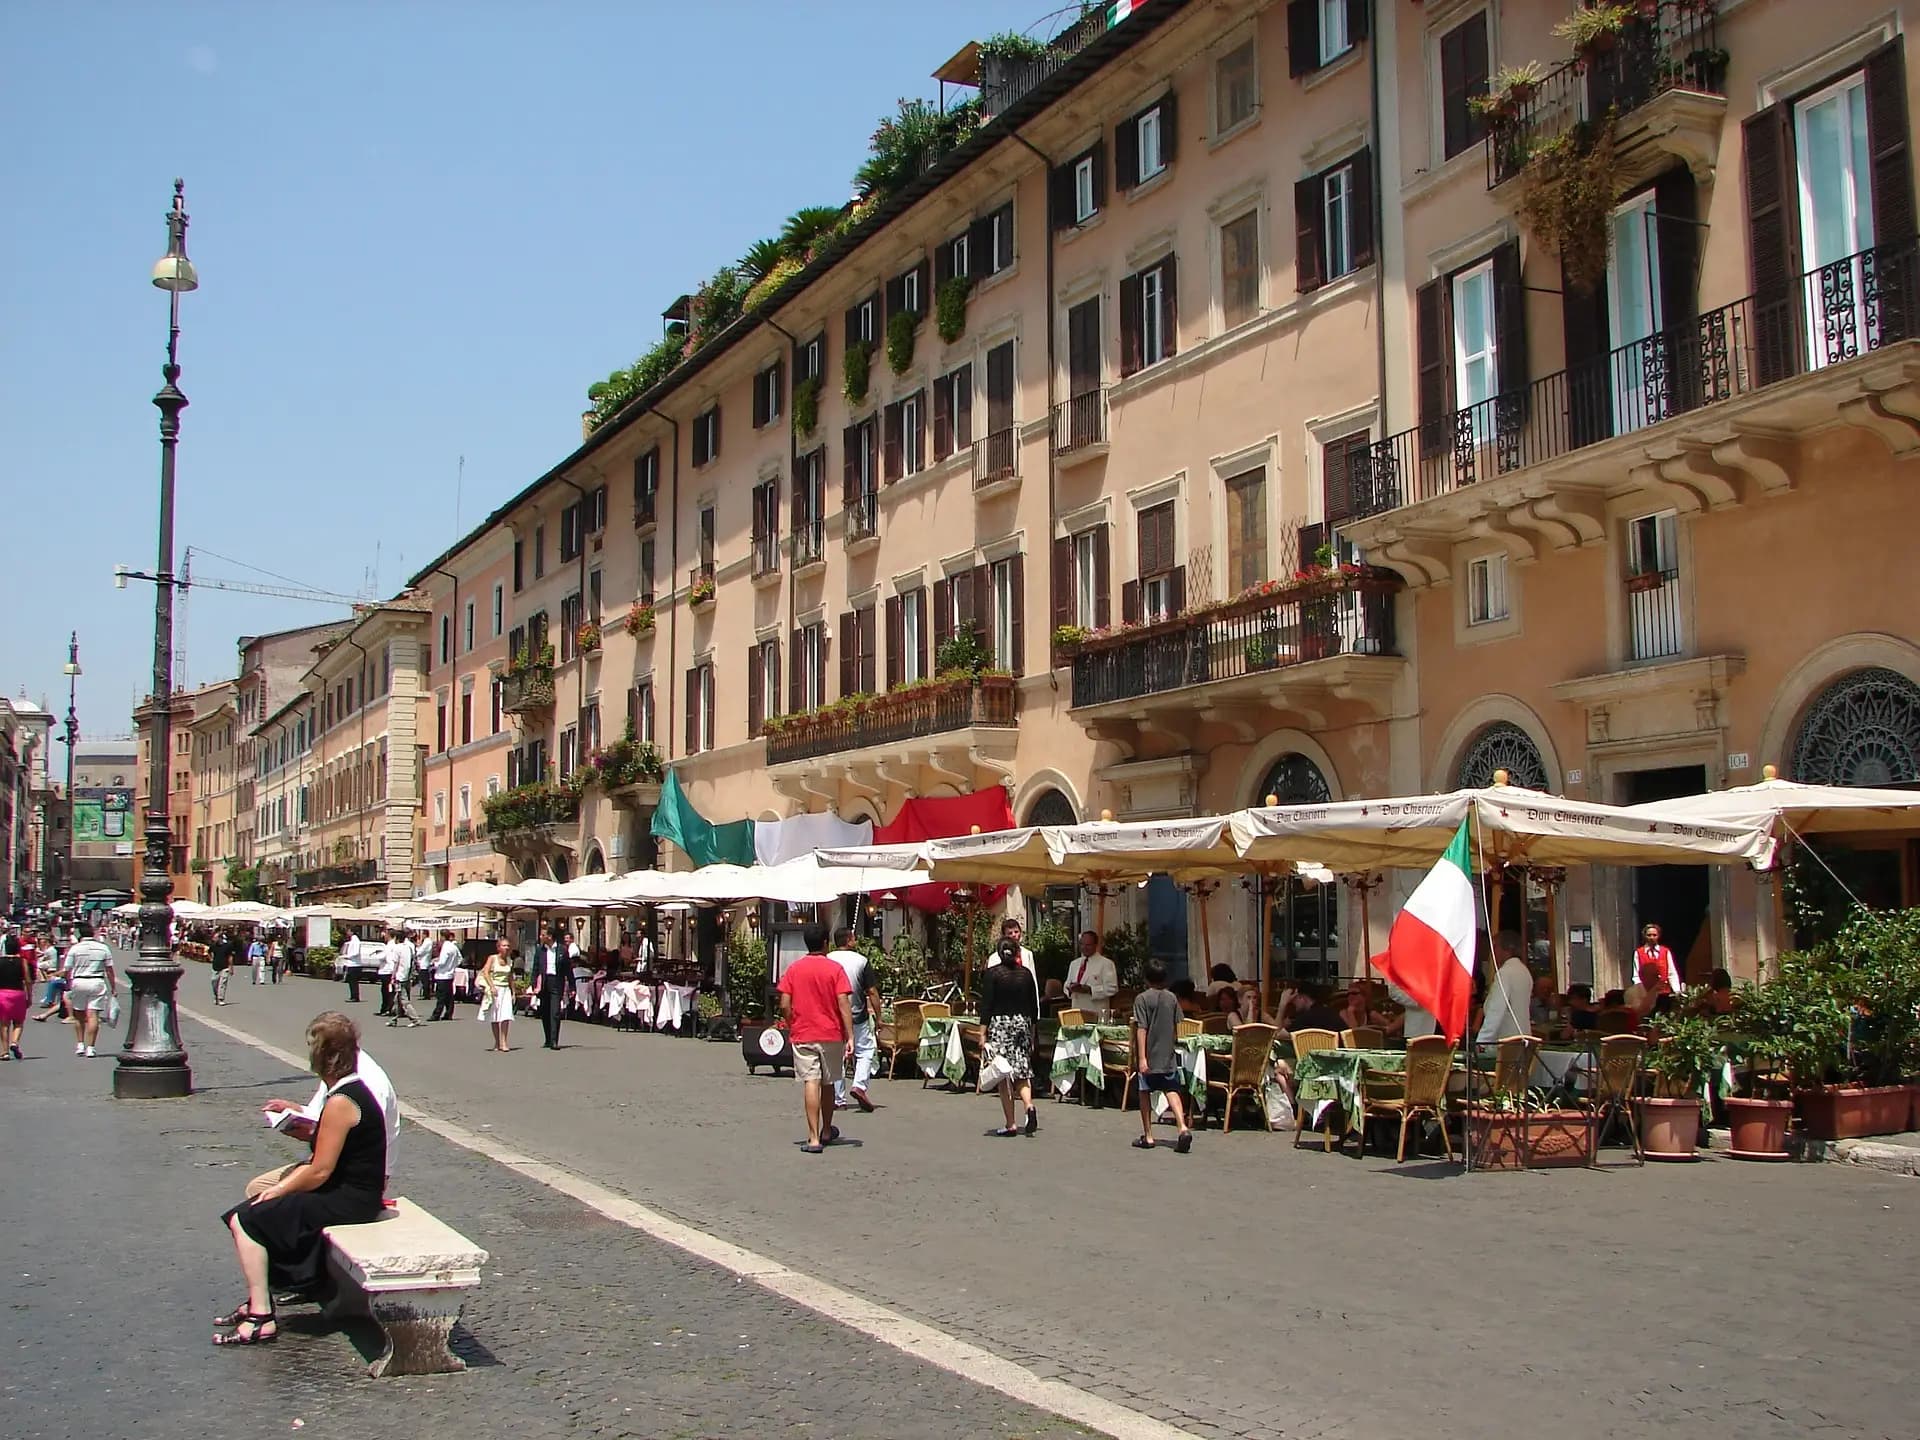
[422, 229]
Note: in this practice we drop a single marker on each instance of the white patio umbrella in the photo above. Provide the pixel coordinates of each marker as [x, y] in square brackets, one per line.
[190, 910]
[475, 894]
[1802, 809]
[245, 912]
[992, 857]
[127, 911]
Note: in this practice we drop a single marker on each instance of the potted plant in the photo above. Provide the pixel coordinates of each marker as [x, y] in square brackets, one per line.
[855, 371]
[806, 406]
[1508, 92]
[1688, 1047]
[902, 326]
[1863, 986]
[950, 307]
[587, 637]
[640, 618]
[1067, 640]
[1775, 1035]
[1594, 29]
[700, 592]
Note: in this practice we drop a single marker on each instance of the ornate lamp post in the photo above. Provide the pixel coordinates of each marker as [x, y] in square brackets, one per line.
[153, 1061]
[72, 730]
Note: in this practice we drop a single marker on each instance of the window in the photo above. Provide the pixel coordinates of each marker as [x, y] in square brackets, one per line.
[768, 392]
[906, 439]
[640, 710]
[1832, 149]
[863, 322]
[1079, 187]
[1319, 32]
[499, 609]
[1334, 41]
[493, 784]
[572, 531]
[1463, 75]
[1475, 360]
[709, 524]
[446, 638]
[1240, 269]
[1159, 592]
[1143, 145]
[1653, 544]
[858, 652]
[766, 528]
[953, 412]
[1147, 316]
[1471, 340]
[1333, 215]
[907, 293]
[1247, 558]
[997, 251]
[1236, 88]
[763, 684]
[493, 707]
[471, 610]
[571, 615]
[809, 506]
[808, 690]
[954, 258]
[646, 571]
[589, 729]
[1008, 607]
[810, 360]
[857, 480]
[595, 510]
[539, 551]
[1486, 590]
[646, 485]
[1340, 461]
[912, 649]
[706, 435]
[1089, 550]
[439, 808]
[466, 712]
[569, 750]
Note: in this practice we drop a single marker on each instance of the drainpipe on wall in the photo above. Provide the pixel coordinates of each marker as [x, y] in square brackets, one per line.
[1053, 498]
[768, 702]
[673, 574]
[453, 620]
[1379, 209]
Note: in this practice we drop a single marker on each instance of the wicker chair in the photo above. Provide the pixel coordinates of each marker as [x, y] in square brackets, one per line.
[1305, 1042]
[1186, 1029]
[1247, 1072]
[904, 1037]
[1364, 1037]
[1513, 1066]
[1429, 1067]
[930, 1010]
[1615, 1022]
[1216, 1024]
[1072, 1017]
[1620, 1059]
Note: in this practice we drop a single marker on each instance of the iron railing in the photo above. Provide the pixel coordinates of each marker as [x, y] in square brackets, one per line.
[1080, 421]
[1004, 80]
[1833, 314]
[863, 516]
[1341, 615]
[809, 543]
[766, 554]
[1653, 615]
[701, 585]
[895, 717]
[332, 877]
[996, 457]
[527, 689]
[1675, 48]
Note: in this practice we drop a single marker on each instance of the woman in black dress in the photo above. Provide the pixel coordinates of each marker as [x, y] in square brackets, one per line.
[278, 1235]
[1010, 1016]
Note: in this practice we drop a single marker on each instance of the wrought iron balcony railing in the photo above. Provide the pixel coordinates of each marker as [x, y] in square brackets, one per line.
[1080, 421]
[932, 708]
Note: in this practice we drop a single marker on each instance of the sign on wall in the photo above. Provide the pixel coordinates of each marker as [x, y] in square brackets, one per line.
[102, 815]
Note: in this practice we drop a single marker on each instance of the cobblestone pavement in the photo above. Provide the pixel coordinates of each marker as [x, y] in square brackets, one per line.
[1249, 1288]
[580, 1327]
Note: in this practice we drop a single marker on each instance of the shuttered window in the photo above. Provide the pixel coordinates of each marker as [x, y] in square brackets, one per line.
[769, 392]
[1463, 75]
[1143, 143]
[1149, 316]
[1078, 188]
[1333, 221]
[1319, 32]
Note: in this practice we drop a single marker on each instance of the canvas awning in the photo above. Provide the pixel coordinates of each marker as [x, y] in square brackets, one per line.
[1803, 809]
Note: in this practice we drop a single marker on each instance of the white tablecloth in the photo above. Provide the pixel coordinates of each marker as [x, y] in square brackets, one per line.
[675, 1005]
[627, 997]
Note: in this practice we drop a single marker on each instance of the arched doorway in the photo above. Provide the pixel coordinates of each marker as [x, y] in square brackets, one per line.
[1053, 904]
[1051, 807]
[1303, 941]
[1863, 729]
[1502, 745]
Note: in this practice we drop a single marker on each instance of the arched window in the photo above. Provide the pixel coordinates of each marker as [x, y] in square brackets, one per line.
[1294, 780]
[1050, 807]
[1502, 746]
[1864, 729]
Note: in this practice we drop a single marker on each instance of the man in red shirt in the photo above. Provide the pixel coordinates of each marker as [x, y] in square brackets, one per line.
[816, 1001]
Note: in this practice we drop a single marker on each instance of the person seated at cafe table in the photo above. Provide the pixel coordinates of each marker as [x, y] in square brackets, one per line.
[1718, 999]
[1614, 1002]
[1220, 977]
[1359, 1012]
[1582, 1013]
[1054, 999]
[1542, 1010]
[1192, 1007]
[1227, 1002]
[1308, 1012]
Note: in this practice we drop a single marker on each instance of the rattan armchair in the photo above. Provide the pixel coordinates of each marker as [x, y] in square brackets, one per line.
[930, 1010]
[1305, 1042]
[1621, 1057]
[1247, 1071]
[1429, 1067]
[1364, 1037]
[1216, 1024]
[904, 1036]
[1186, 1029]
[1072, 1017]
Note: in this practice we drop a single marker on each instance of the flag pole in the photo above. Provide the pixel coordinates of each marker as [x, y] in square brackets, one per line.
[1480, 852]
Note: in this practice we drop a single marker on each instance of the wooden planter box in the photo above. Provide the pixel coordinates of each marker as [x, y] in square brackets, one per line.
[1542, 1139]
[1847, 1112]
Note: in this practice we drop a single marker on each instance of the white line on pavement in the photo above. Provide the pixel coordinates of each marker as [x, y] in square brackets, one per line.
[878, 1322]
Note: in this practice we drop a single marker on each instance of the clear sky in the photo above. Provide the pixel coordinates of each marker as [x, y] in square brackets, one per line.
[422, 229]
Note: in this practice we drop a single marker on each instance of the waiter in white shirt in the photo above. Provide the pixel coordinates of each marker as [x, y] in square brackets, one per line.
[387, 958]
[1011, 929]
[400, 953]
[1092, 979]
[552, 979]
[350, 956]
[1509, 1001]
[445, 962]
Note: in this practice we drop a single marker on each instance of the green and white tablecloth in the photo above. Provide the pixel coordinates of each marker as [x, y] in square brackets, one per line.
[1202, 1055]
[940, 1050]
[1076, 1053]
[1327, 1077]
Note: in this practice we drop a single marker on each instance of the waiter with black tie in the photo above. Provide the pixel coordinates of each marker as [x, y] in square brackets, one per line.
[552, 980]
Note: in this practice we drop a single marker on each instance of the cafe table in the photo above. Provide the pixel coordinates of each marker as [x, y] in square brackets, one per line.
[941, 1051]
[1076, 1054]
[1327, 1077]
[1201, 1055]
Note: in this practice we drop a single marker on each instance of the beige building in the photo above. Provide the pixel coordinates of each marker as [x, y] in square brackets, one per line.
[283, 789]
[213, 733]
[271, 667]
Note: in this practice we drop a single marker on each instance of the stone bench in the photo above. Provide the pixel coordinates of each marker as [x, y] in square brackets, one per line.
[409, 1274]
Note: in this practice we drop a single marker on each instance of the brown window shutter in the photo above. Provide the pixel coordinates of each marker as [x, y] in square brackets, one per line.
[756, 711]
[942, 263]
[926, 299]
[919, 397]
[896, 642]
[942, 613]
[693, 710]
[1126, 153]
[820, 668]
[891, 417]
[1099, 154]
[1357, 13]
[863, 621]
[850, 466]
[849, 653]
[759, 400]
[1435, 373]
[920, 648]
[777, 387]
[1177, 589]
[1583, 319]
[943, 417]
[853, 326]
[980, 246]
[1060, 196]
[713, 450]
[1130, 603]
[1170, 304]
[1169, 127]
[1129, 324]
[1335, 502]
[1017, 628]
[1102, 577]
[980, 599]
[1303, 37]
[1362, 209]
[1309, 233]
[796, 653]
[1510, 320]
[963, 407]
[1889, 146]
[1063, 583]
[1773, 239]
[797, 503]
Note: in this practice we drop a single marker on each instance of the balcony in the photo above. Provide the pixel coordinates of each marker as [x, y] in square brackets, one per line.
[766, 557]
[1080, 428]
[1005, 79]
[336, 877]
[700, 584]
[527, 690]
[532, 820]
[809, 545]
[1663, 79]
[996, 462]
[863, 518]
[1710, 408]
[645, 515]
[959, 730]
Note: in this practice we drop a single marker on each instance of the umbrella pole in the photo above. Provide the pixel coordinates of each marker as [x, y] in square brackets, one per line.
[1265, 959]
[966, 973]
[1366, 928]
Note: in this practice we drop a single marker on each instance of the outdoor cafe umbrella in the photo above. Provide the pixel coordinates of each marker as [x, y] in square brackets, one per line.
[245, 912]
[1799, 809]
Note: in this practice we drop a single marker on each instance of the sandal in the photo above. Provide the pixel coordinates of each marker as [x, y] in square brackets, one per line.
[1142, 1143]
[233, 1317]
[243, 1335]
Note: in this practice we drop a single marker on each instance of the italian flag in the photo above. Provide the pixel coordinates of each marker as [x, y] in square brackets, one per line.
[1430, 950]
[1121, 9]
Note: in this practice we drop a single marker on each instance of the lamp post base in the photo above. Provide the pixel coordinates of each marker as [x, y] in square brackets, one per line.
[152, 1064]
[152, 1082]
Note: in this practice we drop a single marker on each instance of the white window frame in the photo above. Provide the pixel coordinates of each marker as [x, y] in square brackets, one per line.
[913, 457]
[499, 609]
[1004, 599]
[772, 397]
[1858, 213]
[1156, 597]
[1487, 602]
[1152, 343]
[999, 223]
[1086, 597]
[770, 678]
[910, 291]
[439, 807]
[1664, 528]
[863, 321]
[465, 808]
[1221, 83]
[1334, 39]
[1336, 198]
[813, 668]
[1151, 142]
[912, 622]
[1489, 349]
[1083, 207]
[959, 254]
[493, 784]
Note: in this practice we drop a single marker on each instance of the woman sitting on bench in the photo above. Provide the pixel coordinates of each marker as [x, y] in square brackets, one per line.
[279, 1234]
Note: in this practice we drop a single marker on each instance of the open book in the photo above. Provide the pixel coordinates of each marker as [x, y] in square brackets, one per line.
[296, 1122]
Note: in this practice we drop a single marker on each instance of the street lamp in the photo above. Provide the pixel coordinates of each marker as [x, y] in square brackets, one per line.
[153, 1062]
[72, 671]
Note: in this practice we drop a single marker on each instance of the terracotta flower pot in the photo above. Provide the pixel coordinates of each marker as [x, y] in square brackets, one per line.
[1759, 1128]
[1669, 1129]
[1847, 1112]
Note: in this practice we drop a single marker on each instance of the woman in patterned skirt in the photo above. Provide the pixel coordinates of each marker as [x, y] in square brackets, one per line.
[1010, 1014]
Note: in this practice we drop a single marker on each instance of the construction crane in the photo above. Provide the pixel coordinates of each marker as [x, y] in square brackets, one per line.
[186, 581]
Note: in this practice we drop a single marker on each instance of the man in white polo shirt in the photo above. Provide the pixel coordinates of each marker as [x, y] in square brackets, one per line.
[1092, 979]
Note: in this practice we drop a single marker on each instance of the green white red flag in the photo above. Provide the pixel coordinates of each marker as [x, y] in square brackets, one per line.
[1121, 9]
[1430, 950]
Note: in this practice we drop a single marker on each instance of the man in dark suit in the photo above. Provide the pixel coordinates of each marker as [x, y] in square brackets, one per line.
[552, 982]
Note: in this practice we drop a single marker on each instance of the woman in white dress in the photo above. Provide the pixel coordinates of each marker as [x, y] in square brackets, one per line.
[496, 992]
[90, 986]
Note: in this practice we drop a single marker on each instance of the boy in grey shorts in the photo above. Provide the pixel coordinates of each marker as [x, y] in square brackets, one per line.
[1156, 1019]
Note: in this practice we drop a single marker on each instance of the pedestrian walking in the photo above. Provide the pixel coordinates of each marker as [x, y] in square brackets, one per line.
[552, 979]
[866, 1008]
[445, 962]
[257, 958]
[1010, 1019]
[386, 974]
[91, 985]
[220, 957]
[15, 977]
[496, 992]
[1156, 1027]
[400, 952]
[276, 959]
[280, 1237]
[816, 1001]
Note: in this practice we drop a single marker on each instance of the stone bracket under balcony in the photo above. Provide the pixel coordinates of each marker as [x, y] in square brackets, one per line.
[882, 775]
[1652, 705]
[1736, 451]
[527, 846]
